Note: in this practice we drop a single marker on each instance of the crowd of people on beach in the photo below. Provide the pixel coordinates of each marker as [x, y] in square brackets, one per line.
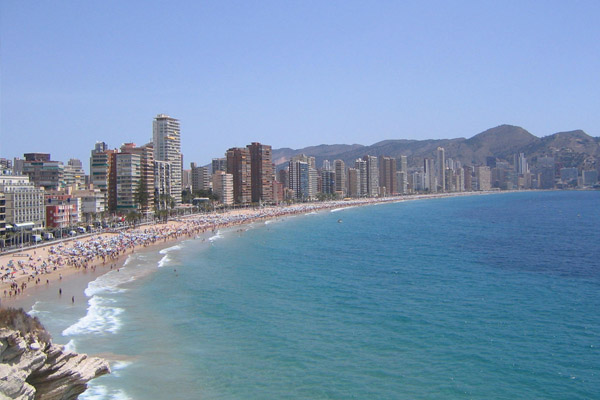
[109, 247]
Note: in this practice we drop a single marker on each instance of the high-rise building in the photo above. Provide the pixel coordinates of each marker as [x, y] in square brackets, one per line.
[239, 166]
[200, 178]
[299, 179]
[262, 172]
[361, 172]
[430, 183]
[401, 182]
[74, 174]
[44, 172]
[166, 137]
[328, 182]
[223, 187]
[100, 169]
[146, 180]
[520, 164]
[546, 167]
[326, 165]
[372, 176]
[128, 175]
[353, 182]
[219, 164]
[441, 168]
[387, 176]
[483, 176]
[340, 177]
[162, 185]
[283, 177]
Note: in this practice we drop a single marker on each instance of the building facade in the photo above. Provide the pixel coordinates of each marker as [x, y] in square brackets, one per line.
[239, 166]
[262, 173]
[166, 138]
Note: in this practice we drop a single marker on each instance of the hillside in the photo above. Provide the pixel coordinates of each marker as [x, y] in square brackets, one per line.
[574, 148]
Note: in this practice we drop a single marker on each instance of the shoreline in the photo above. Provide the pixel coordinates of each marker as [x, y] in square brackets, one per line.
[36, 271]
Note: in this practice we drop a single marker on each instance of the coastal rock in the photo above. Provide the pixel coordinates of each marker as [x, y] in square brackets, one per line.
[31, 367]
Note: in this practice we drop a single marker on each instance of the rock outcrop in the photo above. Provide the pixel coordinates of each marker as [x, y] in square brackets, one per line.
[31, 367]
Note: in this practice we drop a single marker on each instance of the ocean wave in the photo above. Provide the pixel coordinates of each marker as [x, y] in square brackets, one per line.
[101, 318]
[311, 213]
[118, 366]
[108, 283]
[70, 346]
[35, 312]
[100, 392]
[342, 208]
[169, 249]
[215, 237]
[163, 261]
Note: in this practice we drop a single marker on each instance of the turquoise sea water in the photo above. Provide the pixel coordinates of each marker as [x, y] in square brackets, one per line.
[463, 298]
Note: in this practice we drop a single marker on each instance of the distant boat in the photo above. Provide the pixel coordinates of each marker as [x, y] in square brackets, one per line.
[339, 221]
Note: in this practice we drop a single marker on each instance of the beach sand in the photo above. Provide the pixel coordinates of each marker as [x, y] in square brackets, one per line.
[23, 285]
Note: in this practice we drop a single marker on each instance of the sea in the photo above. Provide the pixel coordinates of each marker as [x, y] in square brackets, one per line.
[478, 297]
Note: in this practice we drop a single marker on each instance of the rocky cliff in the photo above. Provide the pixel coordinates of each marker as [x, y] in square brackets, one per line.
[32, 367]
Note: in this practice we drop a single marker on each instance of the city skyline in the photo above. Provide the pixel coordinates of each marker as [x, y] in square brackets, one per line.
[291, 75]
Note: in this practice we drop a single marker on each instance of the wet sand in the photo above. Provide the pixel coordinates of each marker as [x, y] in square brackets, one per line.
[72, 274]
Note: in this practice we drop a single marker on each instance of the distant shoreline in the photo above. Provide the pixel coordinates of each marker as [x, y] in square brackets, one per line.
[173, 231]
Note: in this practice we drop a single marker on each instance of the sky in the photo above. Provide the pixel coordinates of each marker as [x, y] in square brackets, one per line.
[291, 73]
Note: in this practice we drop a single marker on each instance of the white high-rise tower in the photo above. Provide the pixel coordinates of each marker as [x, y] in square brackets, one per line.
[167, 147]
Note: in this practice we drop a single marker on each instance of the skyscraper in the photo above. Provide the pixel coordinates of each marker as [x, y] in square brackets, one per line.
[387, 175]
[219, 164]
[262, 172]
[299, 179]
[340, 177]
[372, 176]
[223, 187]
[239, 166]
[146, 181]
[166, 137]
[430, 178]
[200, 178]
[441, 168]
[361, 172]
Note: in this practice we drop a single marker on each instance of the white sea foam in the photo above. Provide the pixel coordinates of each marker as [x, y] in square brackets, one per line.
[70, 346]
[102, 317]
[163, 261]
[100, 392]
[118, 366]
[342, 208]
[108, 283]
[267, 222]
[311, 213]
[169, 249]
[34, 310]
[215, 237]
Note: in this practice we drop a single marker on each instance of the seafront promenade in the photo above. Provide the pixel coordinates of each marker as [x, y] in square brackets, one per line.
[47, 264]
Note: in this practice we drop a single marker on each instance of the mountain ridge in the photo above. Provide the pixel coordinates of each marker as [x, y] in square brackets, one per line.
[570, 149]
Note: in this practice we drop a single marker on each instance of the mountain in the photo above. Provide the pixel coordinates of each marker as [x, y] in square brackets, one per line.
[574, 148]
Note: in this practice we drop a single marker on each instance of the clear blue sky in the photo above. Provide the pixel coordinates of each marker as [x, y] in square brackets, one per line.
[291, 73]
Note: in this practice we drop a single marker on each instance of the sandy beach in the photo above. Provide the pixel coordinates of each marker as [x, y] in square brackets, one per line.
[26, 274]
